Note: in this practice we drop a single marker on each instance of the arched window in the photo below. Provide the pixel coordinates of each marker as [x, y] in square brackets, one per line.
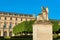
[10, 33]
[5, 33]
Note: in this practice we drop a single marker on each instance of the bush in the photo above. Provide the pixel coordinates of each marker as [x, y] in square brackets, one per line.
[7, 37]
[55, 35]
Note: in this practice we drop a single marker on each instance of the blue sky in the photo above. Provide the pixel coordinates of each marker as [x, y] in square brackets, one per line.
[31, 7]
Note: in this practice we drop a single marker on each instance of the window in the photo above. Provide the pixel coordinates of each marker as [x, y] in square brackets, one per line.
[0, 32]
[0, 18]
[15, 14]
[10, 18]
[0, 24]
[26, 19]
[16, 23]
[4, 24]
[10, 33]
[10, 25]
[5, 18]
[5, 33]
[16, 19]
[21, 19]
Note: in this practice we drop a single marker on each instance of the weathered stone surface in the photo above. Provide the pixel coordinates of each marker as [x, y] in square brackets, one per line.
[42, 32]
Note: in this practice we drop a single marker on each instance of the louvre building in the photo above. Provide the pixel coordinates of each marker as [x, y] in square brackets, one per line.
[9, 20]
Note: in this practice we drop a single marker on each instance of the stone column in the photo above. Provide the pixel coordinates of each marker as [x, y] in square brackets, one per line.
[7, 33]
[1, 32]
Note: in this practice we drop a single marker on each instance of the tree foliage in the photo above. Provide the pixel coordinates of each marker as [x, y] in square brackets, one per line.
[26, 26]
[23, 26]
[55, 26]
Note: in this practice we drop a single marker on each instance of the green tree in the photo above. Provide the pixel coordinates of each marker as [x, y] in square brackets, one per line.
[29, 25]
[25, 26]
[19, 28]
[55, 26]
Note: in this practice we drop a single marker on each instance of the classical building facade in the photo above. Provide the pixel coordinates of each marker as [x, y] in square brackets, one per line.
[9, 20]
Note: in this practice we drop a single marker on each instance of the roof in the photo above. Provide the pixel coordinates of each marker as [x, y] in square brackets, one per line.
[13, 13]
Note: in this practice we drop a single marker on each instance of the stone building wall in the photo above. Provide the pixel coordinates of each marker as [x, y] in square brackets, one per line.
[9, 20]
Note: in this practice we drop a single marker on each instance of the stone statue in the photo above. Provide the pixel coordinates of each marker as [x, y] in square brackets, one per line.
[44, 14]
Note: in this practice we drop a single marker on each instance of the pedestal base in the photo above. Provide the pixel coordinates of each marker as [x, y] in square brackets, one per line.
[42, 32]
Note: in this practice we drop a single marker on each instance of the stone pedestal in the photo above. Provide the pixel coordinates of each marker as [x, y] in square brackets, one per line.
[42, 32]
